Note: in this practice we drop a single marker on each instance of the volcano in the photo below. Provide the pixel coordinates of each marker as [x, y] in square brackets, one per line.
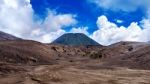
[75, 39]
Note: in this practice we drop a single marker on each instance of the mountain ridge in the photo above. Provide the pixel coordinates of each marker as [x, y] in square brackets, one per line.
[6, 36]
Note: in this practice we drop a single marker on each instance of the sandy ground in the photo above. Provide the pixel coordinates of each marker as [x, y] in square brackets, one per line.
[63, 74]
[28, 62]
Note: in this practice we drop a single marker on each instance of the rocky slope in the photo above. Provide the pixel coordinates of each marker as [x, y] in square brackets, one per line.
[24, 52]
[5, 36]
[128, 54]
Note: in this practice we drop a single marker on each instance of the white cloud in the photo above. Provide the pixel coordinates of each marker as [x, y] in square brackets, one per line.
[122, 5]
[52, 27]
[119, 21]
[125, 6]
[48, 37]
[17, 18]
[54, 22]
[80, 30]
[109, 33]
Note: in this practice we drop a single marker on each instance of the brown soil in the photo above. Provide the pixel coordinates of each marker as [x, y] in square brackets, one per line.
[30, 62]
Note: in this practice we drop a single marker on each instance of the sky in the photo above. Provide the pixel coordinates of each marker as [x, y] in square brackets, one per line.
[105, 21]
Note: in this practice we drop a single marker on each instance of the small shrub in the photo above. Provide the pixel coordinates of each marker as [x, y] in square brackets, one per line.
[130, 48]
[96, 55]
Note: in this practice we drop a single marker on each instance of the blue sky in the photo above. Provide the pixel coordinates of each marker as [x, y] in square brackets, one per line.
[86, 12]
[105, 21]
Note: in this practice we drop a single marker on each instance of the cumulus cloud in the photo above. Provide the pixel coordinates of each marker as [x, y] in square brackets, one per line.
[17, 18]
[80, 30]
[52, 27]
[109, 33]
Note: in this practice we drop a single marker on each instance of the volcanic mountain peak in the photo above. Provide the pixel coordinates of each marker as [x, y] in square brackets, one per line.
[75, 39]
[6, 36]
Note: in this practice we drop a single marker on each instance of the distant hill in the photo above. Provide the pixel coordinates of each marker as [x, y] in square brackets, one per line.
[5, 36]
[75, 39]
